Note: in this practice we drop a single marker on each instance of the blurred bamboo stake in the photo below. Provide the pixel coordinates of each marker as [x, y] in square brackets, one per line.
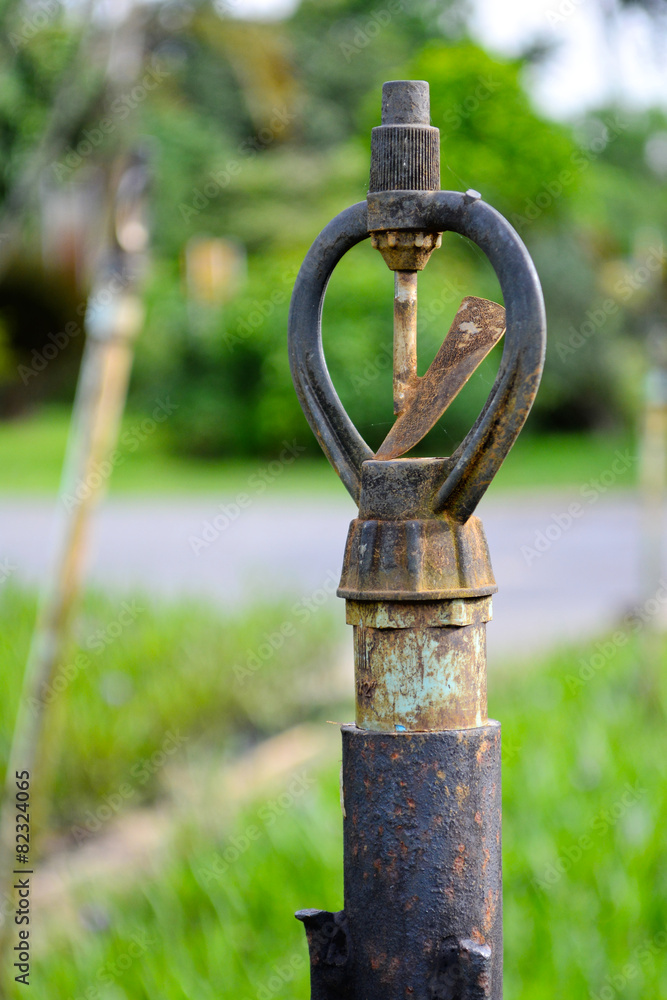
[111, 329]
[653, 492]
[653, 451]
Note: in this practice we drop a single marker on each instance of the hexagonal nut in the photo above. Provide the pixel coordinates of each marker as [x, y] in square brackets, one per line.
[406, 249]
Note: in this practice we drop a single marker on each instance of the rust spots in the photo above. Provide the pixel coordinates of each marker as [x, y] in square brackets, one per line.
[462, 793]
[459, 862]
[476, 936]
[441, 774]
[411, 902]
[398, 810]
[411, 803]
[404, 847]
[449, 893]
[487, 857]
[420, 401]
[395, 756]
[400, 674]
[489, 910]
[478, 818]
[377, 864]
[483, 749]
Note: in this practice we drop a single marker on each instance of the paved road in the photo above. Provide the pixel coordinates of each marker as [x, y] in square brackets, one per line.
[584, 577]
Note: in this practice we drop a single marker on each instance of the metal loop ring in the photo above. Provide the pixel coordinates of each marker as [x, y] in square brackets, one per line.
[477, 459]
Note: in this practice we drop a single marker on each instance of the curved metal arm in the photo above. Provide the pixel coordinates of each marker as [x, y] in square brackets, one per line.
[478, 458]
[340, 440]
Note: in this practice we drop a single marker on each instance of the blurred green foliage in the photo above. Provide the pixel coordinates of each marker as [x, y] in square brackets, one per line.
[123, 688]
[260, 133]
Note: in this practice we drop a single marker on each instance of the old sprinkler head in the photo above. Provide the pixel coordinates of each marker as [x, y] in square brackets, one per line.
[421, 768]
[420, 509]
[416, 538]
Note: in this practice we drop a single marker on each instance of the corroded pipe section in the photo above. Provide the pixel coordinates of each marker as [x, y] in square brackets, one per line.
[405, 336]
[423, 902]
[420, 785]
[422, 666]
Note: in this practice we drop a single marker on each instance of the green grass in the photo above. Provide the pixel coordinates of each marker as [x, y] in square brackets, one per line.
[585, 810]
[131, 677]
[32, 451]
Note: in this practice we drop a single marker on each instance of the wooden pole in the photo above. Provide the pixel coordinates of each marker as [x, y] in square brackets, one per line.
[111, 329]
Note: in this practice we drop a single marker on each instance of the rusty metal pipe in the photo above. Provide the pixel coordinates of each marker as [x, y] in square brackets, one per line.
[405, 336]
[422, 863]
[421, 829]
[420, 667]
[420, 787]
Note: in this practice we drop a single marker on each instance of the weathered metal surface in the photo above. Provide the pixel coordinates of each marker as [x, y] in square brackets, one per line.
[405, 336]
[421, 780]
[475, 462]
[399, 549]
[406, 102]
[426, 614]
[420, 679]
[404, 250]
[329, 951]
[416, 560]
[477, 328]
[405, 148]
[402, 489]
[422, 864]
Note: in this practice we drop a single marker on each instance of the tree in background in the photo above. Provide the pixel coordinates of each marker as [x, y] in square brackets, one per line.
[260, 134]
